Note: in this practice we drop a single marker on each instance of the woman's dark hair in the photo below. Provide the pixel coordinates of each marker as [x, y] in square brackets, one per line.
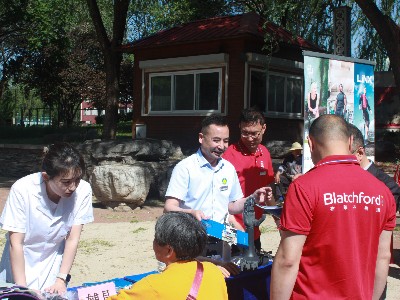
[183, 232]
[60, 158]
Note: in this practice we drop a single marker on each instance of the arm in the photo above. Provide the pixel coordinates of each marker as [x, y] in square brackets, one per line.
[345, 101]
[172, 204]
[278, 177]
[382, 263]
[71, 246]
[286, 264]
[308, 102]
[17, 258]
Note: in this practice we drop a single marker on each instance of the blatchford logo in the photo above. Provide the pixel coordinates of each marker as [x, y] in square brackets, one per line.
[360, 198]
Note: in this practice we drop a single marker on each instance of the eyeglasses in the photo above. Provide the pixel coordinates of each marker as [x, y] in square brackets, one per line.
[253, 135]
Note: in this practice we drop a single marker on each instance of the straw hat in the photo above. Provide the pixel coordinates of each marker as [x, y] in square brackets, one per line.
[296, 146]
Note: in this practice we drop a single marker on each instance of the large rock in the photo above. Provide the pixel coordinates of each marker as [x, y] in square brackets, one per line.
[138, 150]
[121, 184]
[278, 149]
[115, 184]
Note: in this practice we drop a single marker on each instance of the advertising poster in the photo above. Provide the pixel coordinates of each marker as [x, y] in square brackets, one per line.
[364, 101]
[340, 86]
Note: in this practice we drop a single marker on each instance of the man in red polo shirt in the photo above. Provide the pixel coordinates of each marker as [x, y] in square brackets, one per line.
[252, 162]
[336, 224]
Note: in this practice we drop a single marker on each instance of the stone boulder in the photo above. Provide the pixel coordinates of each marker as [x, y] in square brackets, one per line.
[137, 150]
[125, 173]
[114, 184]
[278, 149]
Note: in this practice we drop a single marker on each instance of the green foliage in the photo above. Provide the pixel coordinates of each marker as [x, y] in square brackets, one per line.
[369, 44]
[43, 134]
[149, 16]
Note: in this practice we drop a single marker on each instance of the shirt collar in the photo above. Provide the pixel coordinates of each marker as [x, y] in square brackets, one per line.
[203, 162]
[367, 166]
[243, 149]
[337, 159]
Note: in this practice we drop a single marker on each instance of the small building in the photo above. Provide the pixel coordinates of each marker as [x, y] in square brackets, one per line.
[218, 65]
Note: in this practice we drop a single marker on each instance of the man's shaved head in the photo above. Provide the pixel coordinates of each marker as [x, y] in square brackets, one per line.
[329, 128]
[328, 135]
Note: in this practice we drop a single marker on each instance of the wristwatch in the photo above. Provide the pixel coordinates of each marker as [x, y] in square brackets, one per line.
[65, 277]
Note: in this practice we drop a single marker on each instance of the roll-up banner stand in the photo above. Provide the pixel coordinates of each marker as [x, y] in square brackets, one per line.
[339, 85]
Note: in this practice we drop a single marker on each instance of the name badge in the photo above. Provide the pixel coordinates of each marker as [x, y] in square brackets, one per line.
[223, 188]
[263, 173]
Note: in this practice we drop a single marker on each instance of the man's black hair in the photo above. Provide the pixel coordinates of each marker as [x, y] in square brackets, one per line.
[252, 115]
[213, 119]
[358, 139]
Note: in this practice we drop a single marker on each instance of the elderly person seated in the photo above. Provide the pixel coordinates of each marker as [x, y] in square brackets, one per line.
[179, 239]
[289, 170]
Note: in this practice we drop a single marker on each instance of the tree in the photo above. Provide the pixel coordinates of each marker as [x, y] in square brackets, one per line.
[388, 31]
[14, 23]
[112, 58]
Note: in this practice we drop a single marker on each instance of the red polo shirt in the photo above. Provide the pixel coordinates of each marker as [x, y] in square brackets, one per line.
[342, 210]
[254, 171]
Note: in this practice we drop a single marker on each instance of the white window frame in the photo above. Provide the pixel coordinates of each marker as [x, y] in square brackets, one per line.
[285, 76]
[194, 111]
[185, 65]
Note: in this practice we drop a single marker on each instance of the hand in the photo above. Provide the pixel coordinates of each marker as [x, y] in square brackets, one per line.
[277, 177]
[59, 287]
[228, 268]
[263, 194]
[198, 214]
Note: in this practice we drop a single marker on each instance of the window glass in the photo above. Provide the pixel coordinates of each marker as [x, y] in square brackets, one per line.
[184, 92]
[276, 93]
[293, 94]
[282, 94]
[197, 90]
[161, 93]
[207, 91]
[258, 89]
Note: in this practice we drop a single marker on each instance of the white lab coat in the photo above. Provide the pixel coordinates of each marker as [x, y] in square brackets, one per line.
[28, 210]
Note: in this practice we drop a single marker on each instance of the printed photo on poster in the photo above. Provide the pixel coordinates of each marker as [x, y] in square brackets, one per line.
[341, 89]
[364, 106]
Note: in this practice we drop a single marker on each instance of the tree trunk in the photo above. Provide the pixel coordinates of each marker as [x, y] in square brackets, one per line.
[112, 59]
[389, 32]
[112, 65]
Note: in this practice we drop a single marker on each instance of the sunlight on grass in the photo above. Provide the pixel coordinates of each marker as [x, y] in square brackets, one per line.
[92, 246]
[140, 229]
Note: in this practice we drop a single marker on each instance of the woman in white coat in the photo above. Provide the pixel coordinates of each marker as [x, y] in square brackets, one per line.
[44, 215]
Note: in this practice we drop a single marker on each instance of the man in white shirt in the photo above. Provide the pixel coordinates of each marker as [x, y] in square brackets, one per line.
[206, 185]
